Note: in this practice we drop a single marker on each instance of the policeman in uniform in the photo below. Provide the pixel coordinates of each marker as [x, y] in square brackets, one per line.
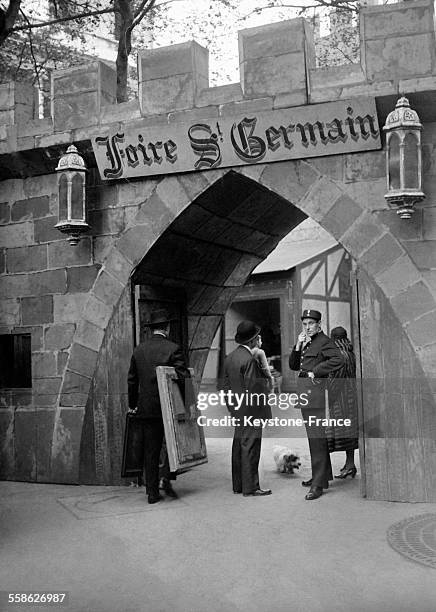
[314, 356]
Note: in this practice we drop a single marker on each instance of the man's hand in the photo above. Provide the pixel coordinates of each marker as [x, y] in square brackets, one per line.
[301, 340]
[133, 410]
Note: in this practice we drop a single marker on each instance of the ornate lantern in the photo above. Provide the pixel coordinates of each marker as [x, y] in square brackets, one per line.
[72, 171]
[403, 158]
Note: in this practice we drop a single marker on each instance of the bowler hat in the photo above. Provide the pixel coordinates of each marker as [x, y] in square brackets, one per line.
[246, 331]
[159, 316]
[311, 314]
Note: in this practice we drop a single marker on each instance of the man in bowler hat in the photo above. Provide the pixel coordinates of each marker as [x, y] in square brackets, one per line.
[243, 376]
[314, 356]
[144, 400]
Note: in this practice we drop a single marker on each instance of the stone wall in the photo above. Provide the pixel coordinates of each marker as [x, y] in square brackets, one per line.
[66, 297]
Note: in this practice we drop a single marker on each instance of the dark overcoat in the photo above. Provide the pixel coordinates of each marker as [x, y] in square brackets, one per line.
[243, 376]
[143, 389]
[320, 356]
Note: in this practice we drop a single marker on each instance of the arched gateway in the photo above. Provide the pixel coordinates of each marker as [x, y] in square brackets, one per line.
[204, 231]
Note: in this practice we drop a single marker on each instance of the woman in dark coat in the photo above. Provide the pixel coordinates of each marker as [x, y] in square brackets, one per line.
[343, 404]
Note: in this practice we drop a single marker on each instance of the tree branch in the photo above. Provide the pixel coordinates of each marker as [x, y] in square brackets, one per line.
[61, 19]
[8, 18]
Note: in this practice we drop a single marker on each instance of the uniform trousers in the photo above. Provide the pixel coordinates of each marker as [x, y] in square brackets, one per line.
[319, 449]
[246, 446]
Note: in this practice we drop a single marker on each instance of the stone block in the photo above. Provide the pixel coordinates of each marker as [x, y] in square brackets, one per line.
[45, 427]
[381, 255]
[62, 360]
[89, 335]
[429, 224]
[219, 95]
[60, 254]
[107, 288]
[80, 279]
[16, 235]
[397, 19]
[118, 112]
[37, 186]
[415, 301]
[364, 232]
[69, 308]
[332, 167]
[37, 310]
[48, 282]
[32, 208]
[136, 192]
[35, 127]
[17, 102]
[194, 183]
[25, 444]
[97, 312]
[399, 57]
[369, 194]
[75, 389]
[368, 165]
[43, 364]
[135, 242]
[400, 275]
[2, 261]
[341, 216]
[423, 253]
[194, 115]
[9, 312]
[102, 246]
[26, 259]
[5, 212]
[242, 270]
[59, 337]
[274, 59]
[422, 331]
[107, 221]
[7, 454]
[170, 78]
[82, 360]
[336, 76]
[291, 181]
[45, 231]
[320, 198]
[79, 94]
[155, 215]
[66, 445]
[204, 332]
[411, 229]
[118, 266]
[246, 107]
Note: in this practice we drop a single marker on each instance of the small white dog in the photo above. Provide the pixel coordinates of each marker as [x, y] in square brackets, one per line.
[286, 460]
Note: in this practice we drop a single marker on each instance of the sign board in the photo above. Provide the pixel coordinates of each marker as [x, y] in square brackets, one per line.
[185, 442]
[333, 128]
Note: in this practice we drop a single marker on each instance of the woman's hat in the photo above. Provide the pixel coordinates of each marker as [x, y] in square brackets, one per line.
[311, 314]
[160, 316]
[338, 333]
[246, 331]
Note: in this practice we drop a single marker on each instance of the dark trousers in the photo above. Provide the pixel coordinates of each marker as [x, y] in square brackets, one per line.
[153, 431]
[319, 450]
[246, 446]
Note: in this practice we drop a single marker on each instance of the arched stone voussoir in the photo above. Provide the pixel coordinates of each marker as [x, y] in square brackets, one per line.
[289, 179]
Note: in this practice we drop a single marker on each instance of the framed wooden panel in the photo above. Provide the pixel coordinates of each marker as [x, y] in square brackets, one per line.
[186, 446]
[133, 448]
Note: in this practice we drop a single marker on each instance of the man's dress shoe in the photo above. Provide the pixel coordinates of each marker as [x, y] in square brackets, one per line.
[237, 492]
[307, 483]
[153, 499]
[168, 488]
[314, 493]
[258, 493]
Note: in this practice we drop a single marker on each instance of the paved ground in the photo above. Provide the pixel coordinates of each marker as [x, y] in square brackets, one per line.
[211, 550]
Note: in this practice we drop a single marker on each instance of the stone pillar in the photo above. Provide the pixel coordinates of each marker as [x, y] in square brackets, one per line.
[17, 103]
[274, 60]
[79, 93]
[398, 41]
[170, 78]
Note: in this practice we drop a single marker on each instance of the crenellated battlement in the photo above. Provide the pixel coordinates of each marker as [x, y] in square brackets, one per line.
[277, 67]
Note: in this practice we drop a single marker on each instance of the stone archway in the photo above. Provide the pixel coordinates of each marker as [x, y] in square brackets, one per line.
[293, 189]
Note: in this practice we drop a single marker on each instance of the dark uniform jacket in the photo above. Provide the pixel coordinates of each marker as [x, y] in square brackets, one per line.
[243, 376]
[320, 356]
[142, 382]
